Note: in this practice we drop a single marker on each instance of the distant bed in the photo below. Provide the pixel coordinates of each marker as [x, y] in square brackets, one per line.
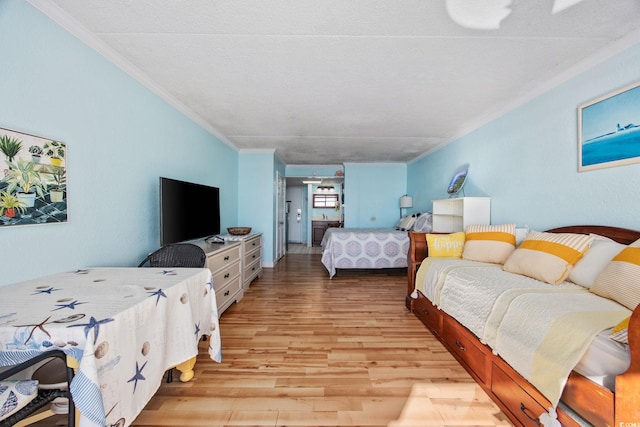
[371, 248]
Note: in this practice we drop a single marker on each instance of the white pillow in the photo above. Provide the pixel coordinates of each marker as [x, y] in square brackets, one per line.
[521, 234]
[14, 395]
[601, 251]
[406, 222]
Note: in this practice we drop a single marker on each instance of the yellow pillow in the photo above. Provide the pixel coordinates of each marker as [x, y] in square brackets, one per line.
[489, 243]
[620, 279]
[620, 331]
[446, 245]
[548, 257]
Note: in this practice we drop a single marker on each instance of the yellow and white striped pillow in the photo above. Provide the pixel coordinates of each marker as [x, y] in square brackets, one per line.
[620, 279]
[548, 257]
[489, 243]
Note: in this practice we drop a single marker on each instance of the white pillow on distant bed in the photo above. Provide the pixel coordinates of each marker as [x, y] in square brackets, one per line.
[406, 222]
[424, 222]
[601, 251]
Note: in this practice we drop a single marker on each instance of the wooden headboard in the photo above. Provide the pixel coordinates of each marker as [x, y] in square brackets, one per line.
[418, 249]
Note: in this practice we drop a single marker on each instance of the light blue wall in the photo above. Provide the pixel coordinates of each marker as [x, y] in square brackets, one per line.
[256, 201]
[372, 194]
[526, 160]
[120, 139]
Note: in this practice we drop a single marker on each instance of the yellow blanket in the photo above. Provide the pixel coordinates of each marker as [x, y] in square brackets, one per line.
[543, 337]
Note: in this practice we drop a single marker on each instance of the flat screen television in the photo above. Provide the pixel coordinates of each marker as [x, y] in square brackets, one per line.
[188, 211]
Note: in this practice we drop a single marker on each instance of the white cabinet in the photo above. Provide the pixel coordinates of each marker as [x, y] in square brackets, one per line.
[224, 261]
[451, 215]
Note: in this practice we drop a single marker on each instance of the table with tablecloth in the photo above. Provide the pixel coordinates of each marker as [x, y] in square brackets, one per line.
[124, 326]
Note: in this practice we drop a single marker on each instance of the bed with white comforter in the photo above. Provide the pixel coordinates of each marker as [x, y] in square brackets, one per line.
[371, 248]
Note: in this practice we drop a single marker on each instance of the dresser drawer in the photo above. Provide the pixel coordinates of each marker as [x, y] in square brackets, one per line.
[221, 259]
[460, 341]
[524, 407]
[428, 314]
[252, 255]
[226, 294]
[252, 270]
[225, 275]
[252, 243]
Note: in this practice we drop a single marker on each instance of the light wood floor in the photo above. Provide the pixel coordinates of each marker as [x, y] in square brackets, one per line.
[303, 350]
[302, 248]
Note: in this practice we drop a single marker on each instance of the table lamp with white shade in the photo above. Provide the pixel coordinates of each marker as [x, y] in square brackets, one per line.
[405, 203]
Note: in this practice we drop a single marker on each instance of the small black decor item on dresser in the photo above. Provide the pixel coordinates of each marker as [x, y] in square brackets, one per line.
[457, 182]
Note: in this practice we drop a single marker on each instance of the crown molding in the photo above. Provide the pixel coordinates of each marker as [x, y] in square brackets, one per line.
[257, 150]
[60, 17]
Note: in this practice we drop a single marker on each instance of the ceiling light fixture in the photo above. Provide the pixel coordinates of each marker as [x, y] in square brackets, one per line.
[479, 14]
[313, 181]
[560, 5]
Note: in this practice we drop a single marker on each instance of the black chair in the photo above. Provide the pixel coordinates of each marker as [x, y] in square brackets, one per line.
[177, 255]
[44, 396]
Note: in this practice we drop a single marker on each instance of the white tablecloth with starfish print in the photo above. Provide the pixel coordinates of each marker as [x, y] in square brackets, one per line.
[125, 326]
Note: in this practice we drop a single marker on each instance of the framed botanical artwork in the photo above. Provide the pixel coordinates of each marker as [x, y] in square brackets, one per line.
[609, 130]
[33, 179]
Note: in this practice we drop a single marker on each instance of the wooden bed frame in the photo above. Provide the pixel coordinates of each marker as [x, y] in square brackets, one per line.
[520, 401]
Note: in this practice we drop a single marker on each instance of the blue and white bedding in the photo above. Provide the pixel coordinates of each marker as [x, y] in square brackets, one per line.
[362, 248]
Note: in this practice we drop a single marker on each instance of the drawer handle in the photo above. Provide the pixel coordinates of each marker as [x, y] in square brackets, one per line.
[226, 294]
[226, 276]
[253, 256]
[226, 258]
[253, 244]
[524, 411]
[425, 311]
[460, 346]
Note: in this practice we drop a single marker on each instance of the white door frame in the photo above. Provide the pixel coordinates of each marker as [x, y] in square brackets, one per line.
[281, 189]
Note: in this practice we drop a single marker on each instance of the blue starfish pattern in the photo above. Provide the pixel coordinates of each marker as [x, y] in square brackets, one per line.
[169, 272]
[81, 271]
[197, 325]
[45, 291]
[158, 294]
[71, 305]
[138, 376]
[93, 324]
[210, 283]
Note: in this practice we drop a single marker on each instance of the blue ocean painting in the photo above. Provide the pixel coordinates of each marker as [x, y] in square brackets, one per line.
[611, 129]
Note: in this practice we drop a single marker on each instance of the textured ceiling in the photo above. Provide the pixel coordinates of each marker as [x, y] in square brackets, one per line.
[333, 81]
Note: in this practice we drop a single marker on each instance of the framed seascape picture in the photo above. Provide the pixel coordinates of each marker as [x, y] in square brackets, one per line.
[33, 179]
[609, 130]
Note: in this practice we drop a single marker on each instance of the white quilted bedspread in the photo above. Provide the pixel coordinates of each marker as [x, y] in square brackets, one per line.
[470, 294]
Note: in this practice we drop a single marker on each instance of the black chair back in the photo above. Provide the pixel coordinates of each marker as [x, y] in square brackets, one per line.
[177, 255]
